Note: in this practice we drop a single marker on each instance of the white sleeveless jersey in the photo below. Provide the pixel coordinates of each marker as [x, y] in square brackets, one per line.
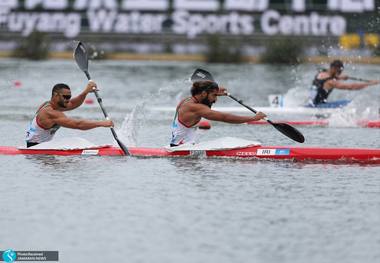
[182, 133]
[36, 133]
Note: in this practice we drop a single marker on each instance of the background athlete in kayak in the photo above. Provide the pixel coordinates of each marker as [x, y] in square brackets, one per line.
[190, 111]
[327, 80]
[50, 117]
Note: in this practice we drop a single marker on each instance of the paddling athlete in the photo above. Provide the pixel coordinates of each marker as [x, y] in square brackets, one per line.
[327, 80]
[50, 117]
[190, 111]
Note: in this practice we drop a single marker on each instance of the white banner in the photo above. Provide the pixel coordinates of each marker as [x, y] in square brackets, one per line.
[189, 17]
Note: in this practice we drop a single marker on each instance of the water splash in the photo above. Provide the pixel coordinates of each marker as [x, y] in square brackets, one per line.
[344, 118]
[129, 129]
[359, 110]
[295, 97]
[137, 118]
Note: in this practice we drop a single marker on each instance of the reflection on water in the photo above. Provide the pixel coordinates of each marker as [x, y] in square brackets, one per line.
[54, 163]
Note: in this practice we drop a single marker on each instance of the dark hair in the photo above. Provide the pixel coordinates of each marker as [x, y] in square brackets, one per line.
[58, 87]
[200, 86]
[337, 64]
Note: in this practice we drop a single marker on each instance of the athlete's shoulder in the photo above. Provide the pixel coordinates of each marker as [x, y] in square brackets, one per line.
[323, 75]
[198, 106]
[50, 112]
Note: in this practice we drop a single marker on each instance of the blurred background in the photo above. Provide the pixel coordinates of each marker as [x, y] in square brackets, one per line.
[273, 31]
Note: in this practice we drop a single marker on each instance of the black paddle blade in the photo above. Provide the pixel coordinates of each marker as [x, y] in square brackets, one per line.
[201, 75]
[289, 131]
[81, 57]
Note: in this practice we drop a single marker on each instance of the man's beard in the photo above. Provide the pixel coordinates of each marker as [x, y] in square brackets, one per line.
[207, 102]
[62, 104]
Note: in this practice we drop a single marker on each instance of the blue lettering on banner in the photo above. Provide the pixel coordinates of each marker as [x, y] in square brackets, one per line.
[282, 151]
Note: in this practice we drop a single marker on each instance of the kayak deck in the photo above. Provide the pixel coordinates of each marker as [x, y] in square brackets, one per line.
[308, 154]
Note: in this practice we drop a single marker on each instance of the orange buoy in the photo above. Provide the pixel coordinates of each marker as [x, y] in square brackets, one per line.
[204, 125]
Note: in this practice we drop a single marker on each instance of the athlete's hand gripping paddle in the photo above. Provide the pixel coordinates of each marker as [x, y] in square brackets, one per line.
[81, 57]
[286, 129]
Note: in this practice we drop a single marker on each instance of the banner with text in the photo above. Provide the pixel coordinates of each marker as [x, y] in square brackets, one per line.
[187, 17]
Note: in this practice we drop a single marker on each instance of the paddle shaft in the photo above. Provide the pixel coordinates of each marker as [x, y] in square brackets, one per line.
[284, 128]
[251, 109]
[98, 98]
[81, 57]
[100, 102]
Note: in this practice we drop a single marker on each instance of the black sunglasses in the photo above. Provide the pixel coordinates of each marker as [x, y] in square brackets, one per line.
[66, 97]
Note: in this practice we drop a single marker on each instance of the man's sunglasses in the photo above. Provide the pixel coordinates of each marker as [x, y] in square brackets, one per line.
[66, 97]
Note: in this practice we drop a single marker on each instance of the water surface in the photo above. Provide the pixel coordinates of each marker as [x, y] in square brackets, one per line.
[117, 209]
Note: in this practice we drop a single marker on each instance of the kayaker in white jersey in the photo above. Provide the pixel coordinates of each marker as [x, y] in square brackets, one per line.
[190, 111]
[50, 117]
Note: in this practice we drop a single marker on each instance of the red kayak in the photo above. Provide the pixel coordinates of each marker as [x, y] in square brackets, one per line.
[308, 154]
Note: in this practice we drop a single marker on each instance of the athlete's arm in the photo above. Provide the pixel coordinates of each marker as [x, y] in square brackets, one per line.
[78, 100]
[342, 77]
[62, 120]
[209, 114]
[350, 86]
